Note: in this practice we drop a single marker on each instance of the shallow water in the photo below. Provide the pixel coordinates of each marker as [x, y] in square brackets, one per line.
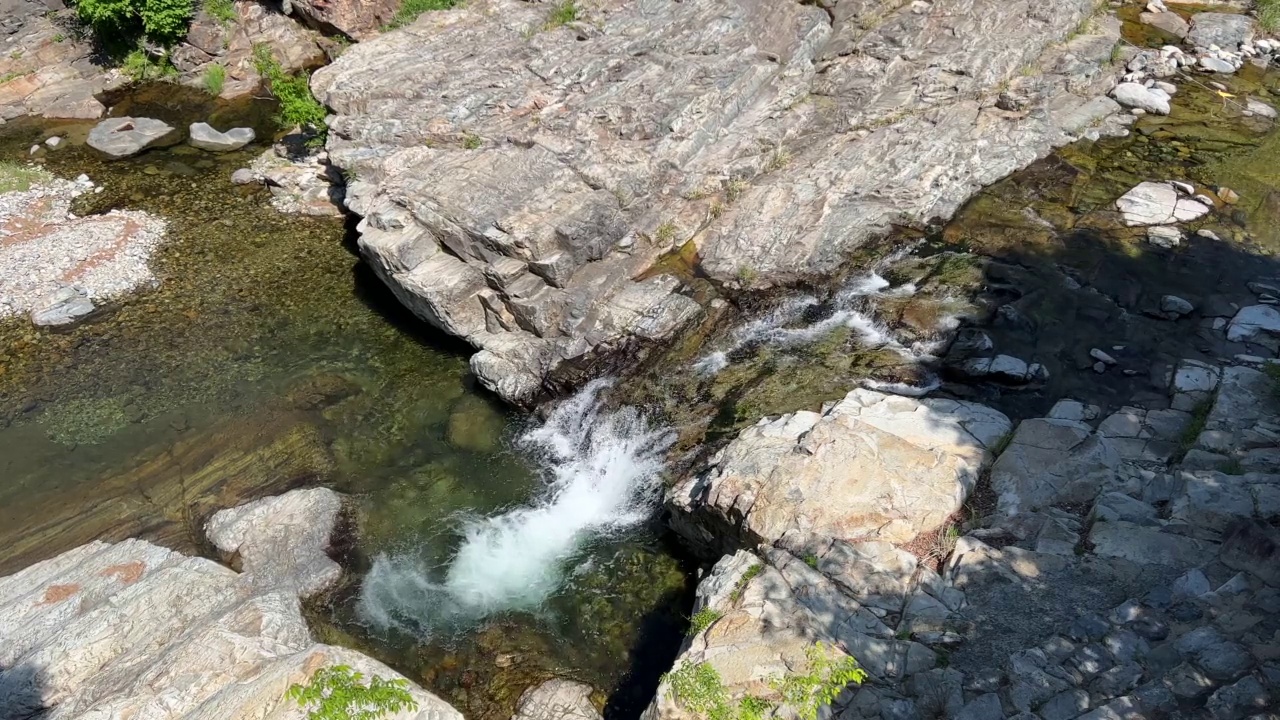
[267, 358]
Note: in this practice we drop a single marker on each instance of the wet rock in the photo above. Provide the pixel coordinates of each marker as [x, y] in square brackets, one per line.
[282, 540]
[1175, 307]
[792, 469]
[300, 185]
[1226, 30]
[1167, 21]
[1216, 65]
[1140, 97]
[1004, 368]
[557, 700]
[1257, 107]
[1152, 203]
[244, 176]
[63, 306]
[203, 136]
[1253, 320]
[124, 136]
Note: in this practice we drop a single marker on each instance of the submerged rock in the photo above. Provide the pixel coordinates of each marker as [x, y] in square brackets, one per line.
[203, 136]
[870, 467]
[135, 630]
[124, 136]
[1155, 203]
[62, 307]
[557, 700]
[515, 203]
[1226, 30]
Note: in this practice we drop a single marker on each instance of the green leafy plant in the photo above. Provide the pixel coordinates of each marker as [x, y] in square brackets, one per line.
[564, 13]
[471, 141]
[298, 107]
[214, 77]
[11, 75]
[59, 37]
[826, 678]
[811, 560]
[741, 586]
[698, 688]
[140, 65]
[224, 11]
[703, 619]
[411, 9]
[121, 22]
[339, 693]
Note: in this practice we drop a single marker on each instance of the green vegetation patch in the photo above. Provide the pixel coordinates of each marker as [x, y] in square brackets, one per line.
[298, 107]
[221, 10]
[1269, 15]
[703, 619]
[339, 693]
[698, 688]
[215, 76]
[411, 9]
[15, 177]
[122, 23]
[564, 13]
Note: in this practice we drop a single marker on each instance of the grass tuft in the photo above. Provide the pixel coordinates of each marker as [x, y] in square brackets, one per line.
[411, 9]
[564, 13]
[703, 619]
[19, 178]
[221, 10]
[214, 78]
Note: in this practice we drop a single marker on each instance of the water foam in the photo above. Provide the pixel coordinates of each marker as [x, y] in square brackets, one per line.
[602, 475]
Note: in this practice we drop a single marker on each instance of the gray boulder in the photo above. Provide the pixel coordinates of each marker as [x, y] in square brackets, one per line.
[1252, 321]
[124, 136]
[1050, 461]
[1226, 30]
[63, 306]
[1136, 95]
[582, 153]
[203, 136]
[1216, 65]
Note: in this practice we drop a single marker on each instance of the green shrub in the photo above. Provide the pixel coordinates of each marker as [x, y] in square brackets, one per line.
[221, 10]
[411, 9]
[214, 77]
[741, 586]
[121, 22]
[339, 693]
[298, 107]
[702, 620]
[140, 65]
[698, 688]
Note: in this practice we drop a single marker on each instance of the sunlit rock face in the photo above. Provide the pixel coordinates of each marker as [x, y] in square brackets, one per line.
[516, 176]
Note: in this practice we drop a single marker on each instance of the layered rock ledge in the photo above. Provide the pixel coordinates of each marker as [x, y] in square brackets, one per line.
[516, 178]
[133, 630]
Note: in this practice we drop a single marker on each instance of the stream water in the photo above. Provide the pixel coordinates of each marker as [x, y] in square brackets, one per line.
[489, 551]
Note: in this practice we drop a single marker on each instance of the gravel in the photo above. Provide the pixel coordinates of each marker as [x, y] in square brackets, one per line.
[44, 247]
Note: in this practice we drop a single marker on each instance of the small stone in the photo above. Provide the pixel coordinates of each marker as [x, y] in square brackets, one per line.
[1191, 584]
[1102, 356]
[1208, 234]
[1228, 196]
[205, 137]
[1225, 661]
[1176, 306]
[1117, 681]
[1064, 706]
[1088, 628]
[983, 707]
[1243, 698]
[53, 142]
[1165, 236]
[1099, 367]
[243, 176]
[1135, 95]
[1257, 107]
[1213, 64]
[1187, 682]
[34, 149]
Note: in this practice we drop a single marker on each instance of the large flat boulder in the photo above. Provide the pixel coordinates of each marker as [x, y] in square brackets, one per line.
[870, 467]
[135, 630]
[557, 162]
[124, 136]
[1051, 461]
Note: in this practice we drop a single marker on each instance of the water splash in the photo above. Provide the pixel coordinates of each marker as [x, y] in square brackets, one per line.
[602, 472]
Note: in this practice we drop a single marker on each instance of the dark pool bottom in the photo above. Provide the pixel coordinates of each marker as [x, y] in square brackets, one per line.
[269, 358]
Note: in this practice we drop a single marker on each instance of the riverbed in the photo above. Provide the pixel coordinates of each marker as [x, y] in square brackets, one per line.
[267, 358]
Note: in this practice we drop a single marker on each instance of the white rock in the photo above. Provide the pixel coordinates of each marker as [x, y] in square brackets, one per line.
[1168, 87]
[557, 700]
[1152, 203]
[1134, 95]
[1102, 356]
[1186, 188]
[1257, 107]
[1174, 305]
[53, 142]
[1216, 65]
[1165, 236]
[1251, 320]
[205, 137]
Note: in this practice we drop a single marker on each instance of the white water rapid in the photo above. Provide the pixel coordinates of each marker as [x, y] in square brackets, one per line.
[602, 475]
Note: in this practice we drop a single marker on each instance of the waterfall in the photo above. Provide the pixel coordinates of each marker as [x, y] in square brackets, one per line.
[602, 474]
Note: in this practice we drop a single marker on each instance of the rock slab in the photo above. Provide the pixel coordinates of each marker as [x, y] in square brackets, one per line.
[125, 136]
[205, 137]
